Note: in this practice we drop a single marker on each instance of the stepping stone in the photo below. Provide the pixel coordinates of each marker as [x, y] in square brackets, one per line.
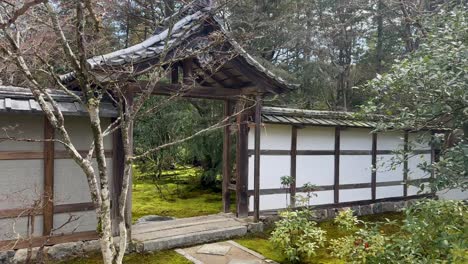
[244, 261]
[214, 249]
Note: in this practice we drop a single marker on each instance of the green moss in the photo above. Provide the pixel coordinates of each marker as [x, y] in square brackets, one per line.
[178, 194]
[162, 257]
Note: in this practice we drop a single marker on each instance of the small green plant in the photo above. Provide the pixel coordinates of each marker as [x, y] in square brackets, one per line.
[346, 220]
[297, 236]
[286, 182]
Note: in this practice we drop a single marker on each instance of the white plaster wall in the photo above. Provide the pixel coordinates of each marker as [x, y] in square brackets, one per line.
[355, 169]
[84, 221]
[316, 138]
[270, 202]
[70, 183]
[355, 139]
[419, 140]
[23, 126]
[391, 140]
[272, 136]
[21, 182]
[389, 168]
[14, 228]
[355, 195]
[79, 129]
[389, 191]
[321, 197]
[453, 195]
[414, 162]
[318, 170]
[272, 168]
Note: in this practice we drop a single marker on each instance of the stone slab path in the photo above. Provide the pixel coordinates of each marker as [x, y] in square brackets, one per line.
[185, 232]
[227, 252]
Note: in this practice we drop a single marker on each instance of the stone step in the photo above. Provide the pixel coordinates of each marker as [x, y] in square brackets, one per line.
[189, 239]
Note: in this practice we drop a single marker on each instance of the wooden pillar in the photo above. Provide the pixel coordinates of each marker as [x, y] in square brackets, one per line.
[117, 177]
[187, 70]
[374, 166]
[242, 162]
[336, 185]
[293, 165]
[175, 73]
[48, 203]
[258, 123]
[226, 159]
[405, 164]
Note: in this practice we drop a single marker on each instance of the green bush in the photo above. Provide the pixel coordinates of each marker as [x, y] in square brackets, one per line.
[432, 232]
[297, 236]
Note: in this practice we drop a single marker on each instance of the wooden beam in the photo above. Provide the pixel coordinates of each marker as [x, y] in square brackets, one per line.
[293, 165]
[258, 123]
[374, 166]
[226, 159]
[283, 152]
[242, 162]
[48, 195]
[45, 240]
[58, 209]
[32, 155]
[405, 163]
[336, 195]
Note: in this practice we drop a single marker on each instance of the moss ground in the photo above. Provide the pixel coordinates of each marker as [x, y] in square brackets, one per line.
[260, 243]
[163, 257]
[176, 194]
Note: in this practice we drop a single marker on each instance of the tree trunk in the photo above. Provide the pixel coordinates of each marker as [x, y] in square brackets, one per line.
[379, 46]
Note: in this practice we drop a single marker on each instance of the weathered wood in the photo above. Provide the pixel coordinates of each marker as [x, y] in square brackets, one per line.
[226, 159]
[293, 166]
[58, 209]
[48, 195]
[242, 162]
[31, 155]
[336, 193]
[117, 178]
[187, 69]
[258, 120]
[374, 166]
[175, 73]
[44, 240]
[405, 163]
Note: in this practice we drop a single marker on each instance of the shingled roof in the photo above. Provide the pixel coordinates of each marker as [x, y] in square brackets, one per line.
[192, 28]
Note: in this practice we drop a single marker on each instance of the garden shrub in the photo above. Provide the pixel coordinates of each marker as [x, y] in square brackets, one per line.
[432, 232]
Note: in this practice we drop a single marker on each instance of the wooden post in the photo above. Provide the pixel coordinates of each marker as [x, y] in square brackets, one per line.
[48, 203]
[258, 120]
[293, 165]
[242, 162]
[405, 164]
[117, 174]
[336, 186]
[175, 73]
[226, 159]
[187, 69]
[374, 166]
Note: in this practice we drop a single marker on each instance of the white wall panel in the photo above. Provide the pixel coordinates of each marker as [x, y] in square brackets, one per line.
[419, 140]
[316, 138]
[80, 133]
[389, 168]
[453, 195]
[413, 162]
[84, 221]
[355, 195]
[23, 126]
[11, 228]
[272, 137]
[355, 169]
[272, 168]
[318, 170]
[323, 197]
[415, 190]
[392, 140]
[389, 191]
[270, 202]
[21, 182]
[355, 139]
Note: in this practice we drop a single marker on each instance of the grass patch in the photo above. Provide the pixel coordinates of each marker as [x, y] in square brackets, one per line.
[162, 257]
[178, 194]
[260, 243]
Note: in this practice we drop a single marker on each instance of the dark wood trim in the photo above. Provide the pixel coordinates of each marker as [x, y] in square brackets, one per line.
[242, 163]
[226, 159]
[348, 186]
[293, 167]
[355, 203]
[374, 166]
[44, 240]
[405, 163]
[258, 121]
[58, 209]
[48, 195]
[336, 195]
[32, 155]
[117, 177]
[281, 152]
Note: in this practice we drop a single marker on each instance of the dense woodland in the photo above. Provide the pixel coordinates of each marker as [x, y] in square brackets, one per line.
[328, 49]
